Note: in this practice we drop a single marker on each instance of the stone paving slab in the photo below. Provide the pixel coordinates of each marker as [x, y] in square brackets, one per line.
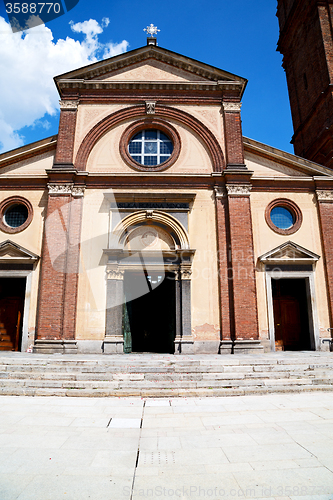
[275, 446]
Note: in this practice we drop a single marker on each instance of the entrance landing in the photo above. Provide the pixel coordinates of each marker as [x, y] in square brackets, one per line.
[163, 375]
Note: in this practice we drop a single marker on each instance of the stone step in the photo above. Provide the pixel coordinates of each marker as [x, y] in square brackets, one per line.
[159, 384]
[160, 375]
[64, 367]
[160, 393]
[46, 374]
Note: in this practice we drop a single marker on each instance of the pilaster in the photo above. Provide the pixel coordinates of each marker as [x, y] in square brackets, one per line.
[66, 134]
[242, 279]
[223, 242]
[57, 301]
[233, 134]
[187, 342]
[114, 339]
[325, 209]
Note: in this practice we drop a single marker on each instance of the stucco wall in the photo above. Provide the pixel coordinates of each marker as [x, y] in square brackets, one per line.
[308, 236]
[30, 239]
[105, 156]
[92, 279]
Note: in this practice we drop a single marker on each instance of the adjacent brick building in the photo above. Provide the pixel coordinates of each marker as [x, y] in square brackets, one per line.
[149, 223]
[306, 42]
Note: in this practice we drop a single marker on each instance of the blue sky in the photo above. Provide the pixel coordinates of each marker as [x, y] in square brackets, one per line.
[238, 36]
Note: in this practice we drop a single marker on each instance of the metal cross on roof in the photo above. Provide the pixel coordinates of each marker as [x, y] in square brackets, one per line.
[151, 30]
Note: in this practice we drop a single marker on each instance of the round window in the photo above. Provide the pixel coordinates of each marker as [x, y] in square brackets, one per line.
[16, 215]
[150, 147]
[283, 216]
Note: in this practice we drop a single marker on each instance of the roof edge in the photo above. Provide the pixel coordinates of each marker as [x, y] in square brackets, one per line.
[287, 159]
[28, 151]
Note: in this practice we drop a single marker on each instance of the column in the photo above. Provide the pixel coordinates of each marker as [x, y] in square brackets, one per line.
[246, 336]
[114, 339]
[233, 134]
[178, 337]
[187, 342]
[59, 272]
[223, 242]
[325, 208]
[66, 134]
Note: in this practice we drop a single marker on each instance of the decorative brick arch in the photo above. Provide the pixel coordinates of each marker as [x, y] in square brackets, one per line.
[114, 119]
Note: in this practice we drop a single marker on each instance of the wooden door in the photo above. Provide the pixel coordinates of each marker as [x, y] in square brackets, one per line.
[287, 321]
[11, 310]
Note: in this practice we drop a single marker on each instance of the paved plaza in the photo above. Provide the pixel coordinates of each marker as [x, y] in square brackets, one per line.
[272, 446]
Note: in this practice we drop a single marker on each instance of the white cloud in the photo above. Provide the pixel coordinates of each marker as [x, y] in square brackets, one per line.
[28, 63]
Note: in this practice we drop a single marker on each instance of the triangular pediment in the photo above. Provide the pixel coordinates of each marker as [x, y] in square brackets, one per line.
[11, 252]
[150, 63]
[289, 252]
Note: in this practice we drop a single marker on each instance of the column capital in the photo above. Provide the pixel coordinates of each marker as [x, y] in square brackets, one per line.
[220, 192]
[185, 271]
[231, 107]
[115, 273]
[239, 189]
[324, 195]
[59, 189]
[68, 105]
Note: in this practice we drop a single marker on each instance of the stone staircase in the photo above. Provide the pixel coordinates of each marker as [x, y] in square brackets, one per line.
[160, 375]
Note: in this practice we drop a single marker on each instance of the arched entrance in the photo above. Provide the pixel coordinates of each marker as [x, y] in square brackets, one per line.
[148, 286]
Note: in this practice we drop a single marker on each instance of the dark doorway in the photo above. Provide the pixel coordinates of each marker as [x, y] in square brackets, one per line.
[12, 295]
[291, 315]
[149, 312]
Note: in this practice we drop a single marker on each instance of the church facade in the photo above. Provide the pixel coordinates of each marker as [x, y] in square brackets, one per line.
[150, 224]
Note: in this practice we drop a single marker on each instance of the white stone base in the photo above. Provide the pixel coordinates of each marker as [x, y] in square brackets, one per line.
[55, 347]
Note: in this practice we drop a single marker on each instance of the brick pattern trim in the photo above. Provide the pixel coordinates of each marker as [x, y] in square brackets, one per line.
[163, 112]
[289, 205]
[66, 135]
[243, 269]
[149, 124]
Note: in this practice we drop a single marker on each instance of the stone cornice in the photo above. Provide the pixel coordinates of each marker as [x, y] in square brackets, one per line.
[220, 86]
[191, 66]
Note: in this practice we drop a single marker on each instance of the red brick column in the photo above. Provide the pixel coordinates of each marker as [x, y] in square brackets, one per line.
[243, 266]
[325, 207]
[233, 134]
[224, 288]
[73, 264]
[57, 299]
[66, 134]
